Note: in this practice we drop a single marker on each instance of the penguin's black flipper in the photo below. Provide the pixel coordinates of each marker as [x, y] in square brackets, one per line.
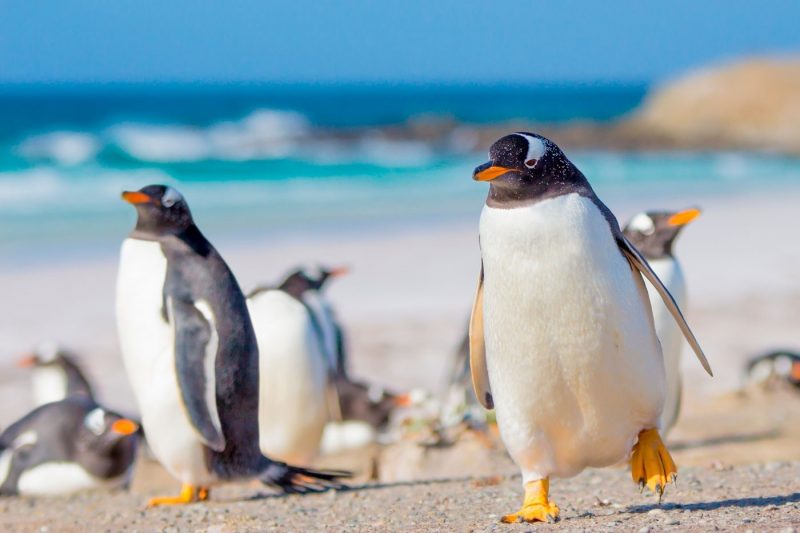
[297, 480]
[196, 345]
[477, 350]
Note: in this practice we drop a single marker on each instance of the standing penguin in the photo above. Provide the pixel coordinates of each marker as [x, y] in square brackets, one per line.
[67, 446]
[191, 355]
[562, 341]
[293, 395]
[653, 234]
[55, 374]
[307, 284]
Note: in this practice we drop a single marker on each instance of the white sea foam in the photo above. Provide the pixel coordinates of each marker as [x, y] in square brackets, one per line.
[264, 134]
[63, 147]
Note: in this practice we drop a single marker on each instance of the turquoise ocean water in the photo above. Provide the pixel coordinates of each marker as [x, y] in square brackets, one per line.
[256, 162]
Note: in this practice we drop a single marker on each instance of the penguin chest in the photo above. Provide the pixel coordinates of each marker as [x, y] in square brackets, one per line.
[669, 272]
[293, 407]
[574, 364]
[144, 334]
[49, 384]
[147, 342]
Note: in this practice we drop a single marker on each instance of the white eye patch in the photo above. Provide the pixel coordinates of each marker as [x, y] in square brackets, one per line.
[95, 421]
[171, 197]
[375, 393]
[536, 150]
[47, 351]
[313, 271]
[643, 224]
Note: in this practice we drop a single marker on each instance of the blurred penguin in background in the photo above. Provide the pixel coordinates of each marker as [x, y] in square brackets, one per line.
[303, 351]
[777, 366]
[67, 446]
[55, 374]
[654, 233]
[294, 396]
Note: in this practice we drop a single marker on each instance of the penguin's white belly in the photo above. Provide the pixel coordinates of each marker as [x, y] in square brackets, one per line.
[52, 479]
[5, 464]
[147, 344]
[574, 365]
[49, 384]
[293, 408]
[670, 273]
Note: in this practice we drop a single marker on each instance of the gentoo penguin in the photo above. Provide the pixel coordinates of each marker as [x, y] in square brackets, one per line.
[306, 285]
[357, 399]
[294, 391]
[562, 341]
[191, 354]
[653, 234]
[67, 446]
[55, 374]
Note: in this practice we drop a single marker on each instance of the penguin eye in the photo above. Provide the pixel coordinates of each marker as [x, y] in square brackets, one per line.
[168, 202]
[530, 163]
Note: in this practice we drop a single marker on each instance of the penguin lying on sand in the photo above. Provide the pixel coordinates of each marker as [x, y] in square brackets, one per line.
[55, 374]
[783, 365]
[191, 355]
[562, 340]
[653, 233]
[67, 446]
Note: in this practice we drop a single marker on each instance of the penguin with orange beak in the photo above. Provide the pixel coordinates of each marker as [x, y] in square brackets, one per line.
[65, 447]
[191, 355]
[55, 374]
[653, 233]
[562, 341]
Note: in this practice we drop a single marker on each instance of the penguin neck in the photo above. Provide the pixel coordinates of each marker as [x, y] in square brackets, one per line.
[657, 248]
[295, 288]
[76, 381]
[567, 180]
[190, 237]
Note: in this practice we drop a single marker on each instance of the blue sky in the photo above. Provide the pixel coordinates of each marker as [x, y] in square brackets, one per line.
[406, 41]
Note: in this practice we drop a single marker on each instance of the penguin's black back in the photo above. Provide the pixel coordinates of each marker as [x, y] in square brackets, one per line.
[195, 272]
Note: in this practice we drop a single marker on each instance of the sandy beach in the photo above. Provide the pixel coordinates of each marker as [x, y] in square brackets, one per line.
[404, 317]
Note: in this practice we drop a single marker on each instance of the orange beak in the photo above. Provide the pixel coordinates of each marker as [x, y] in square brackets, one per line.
[403, 400]
[489, 172]
[681, 218]
[27, 361]
[338, 271]
[135, 197]
[796, 371]
[123, 426]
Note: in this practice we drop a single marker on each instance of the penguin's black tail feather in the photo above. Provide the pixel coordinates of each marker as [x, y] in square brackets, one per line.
[297, 480]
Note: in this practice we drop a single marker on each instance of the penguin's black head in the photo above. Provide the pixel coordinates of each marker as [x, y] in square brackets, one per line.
[161, 209]
[522, 159]
[654, 232]
[306, 279]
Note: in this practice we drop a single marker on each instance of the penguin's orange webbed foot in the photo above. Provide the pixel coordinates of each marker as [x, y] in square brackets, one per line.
[651, 463]
[189, 494]
[536, 507]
